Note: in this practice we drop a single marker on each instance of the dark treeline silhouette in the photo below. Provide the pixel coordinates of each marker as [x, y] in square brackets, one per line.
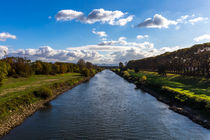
[22, 67]
[188, 61]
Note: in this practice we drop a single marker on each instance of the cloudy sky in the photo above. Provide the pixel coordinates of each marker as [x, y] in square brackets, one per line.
[100, 31]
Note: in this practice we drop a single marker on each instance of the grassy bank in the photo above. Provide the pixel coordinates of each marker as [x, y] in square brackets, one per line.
[185, 90]
[16, 93]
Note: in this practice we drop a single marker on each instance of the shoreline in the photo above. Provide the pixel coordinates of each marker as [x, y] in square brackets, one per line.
[190, 113]
[17, 118]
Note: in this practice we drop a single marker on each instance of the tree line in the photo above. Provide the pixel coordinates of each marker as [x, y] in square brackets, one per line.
[189, 61]
[22, 67]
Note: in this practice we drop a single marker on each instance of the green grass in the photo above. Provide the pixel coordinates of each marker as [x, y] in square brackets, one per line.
[194, 91]
[196, 85]
[20, 84]
[18, 92]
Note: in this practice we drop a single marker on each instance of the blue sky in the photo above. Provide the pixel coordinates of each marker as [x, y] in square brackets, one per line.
[43, 30]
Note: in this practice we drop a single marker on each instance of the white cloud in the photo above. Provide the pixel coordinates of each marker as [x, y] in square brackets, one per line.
[205, 37]
[141, 36]
[107, 51]
[198, 19]
[99, 33]
[158, 21]
[3, 51]
[46, 53]
[96, 15]
[112, 54]
[122, 42]
[123, 21]
[68, 15]
[183, 19]
[4, 36]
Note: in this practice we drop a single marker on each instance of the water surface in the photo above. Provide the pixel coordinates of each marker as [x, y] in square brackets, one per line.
[107, 107]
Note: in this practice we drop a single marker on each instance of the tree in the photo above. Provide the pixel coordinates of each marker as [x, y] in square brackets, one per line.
[85, 72]
[89, 65]
[38, 68]
[3, 71]
[121, 66]
[162, 70]
[81, 63]
[63, 68]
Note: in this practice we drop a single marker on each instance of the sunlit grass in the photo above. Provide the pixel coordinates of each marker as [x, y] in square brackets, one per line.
[19, 92]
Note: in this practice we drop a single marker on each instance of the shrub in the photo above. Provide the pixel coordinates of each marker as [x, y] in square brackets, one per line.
[43, 92]
[142, 80]
[126, 73]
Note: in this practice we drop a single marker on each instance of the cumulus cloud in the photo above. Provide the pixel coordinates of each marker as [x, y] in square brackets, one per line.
[108, 51]
[3, 51]
[46, 53]
[112, 54]
[122, 42]
[4, 36]
[205, 37]
[158, 21]
[96, 15]
[68, 15]
[183, 19]
[198, 19]
[99, 33]
[141, 36]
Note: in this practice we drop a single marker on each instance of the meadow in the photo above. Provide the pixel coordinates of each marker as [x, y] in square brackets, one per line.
[15, 93]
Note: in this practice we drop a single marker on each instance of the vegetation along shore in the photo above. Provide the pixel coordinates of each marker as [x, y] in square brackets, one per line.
[180, 79]
[27, 86]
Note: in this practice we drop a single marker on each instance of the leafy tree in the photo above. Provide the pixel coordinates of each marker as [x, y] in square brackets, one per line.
[81, 63]
[3, 71]
[162, 70]
[121, 66]
[85, 72]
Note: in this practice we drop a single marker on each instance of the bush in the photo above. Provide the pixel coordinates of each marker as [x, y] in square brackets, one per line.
[126, 73]
[143, 78]
[44, 93]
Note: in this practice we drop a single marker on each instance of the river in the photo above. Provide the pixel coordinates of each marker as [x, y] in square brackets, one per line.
[107, 107]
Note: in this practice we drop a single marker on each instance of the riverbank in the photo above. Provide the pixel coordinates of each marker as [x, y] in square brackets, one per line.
[178, 95]
[19, 103]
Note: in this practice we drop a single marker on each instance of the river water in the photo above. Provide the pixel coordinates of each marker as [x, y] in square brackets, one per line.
[107, 107]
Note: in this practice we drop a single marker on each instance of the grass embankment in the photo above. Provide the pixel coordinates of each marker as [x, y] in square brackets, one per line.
[186, 90]
[16, 93]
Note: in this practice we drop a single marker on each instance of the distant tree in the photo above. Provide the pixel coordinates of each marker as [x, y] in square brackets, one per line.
[85, 72]
[162, 70]
[55, 69]
[81, 63]
[89, 65]
[63, 68]
[121, 66]
[136, 69]
[3, 71]
[47, 68]
[38, 68]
